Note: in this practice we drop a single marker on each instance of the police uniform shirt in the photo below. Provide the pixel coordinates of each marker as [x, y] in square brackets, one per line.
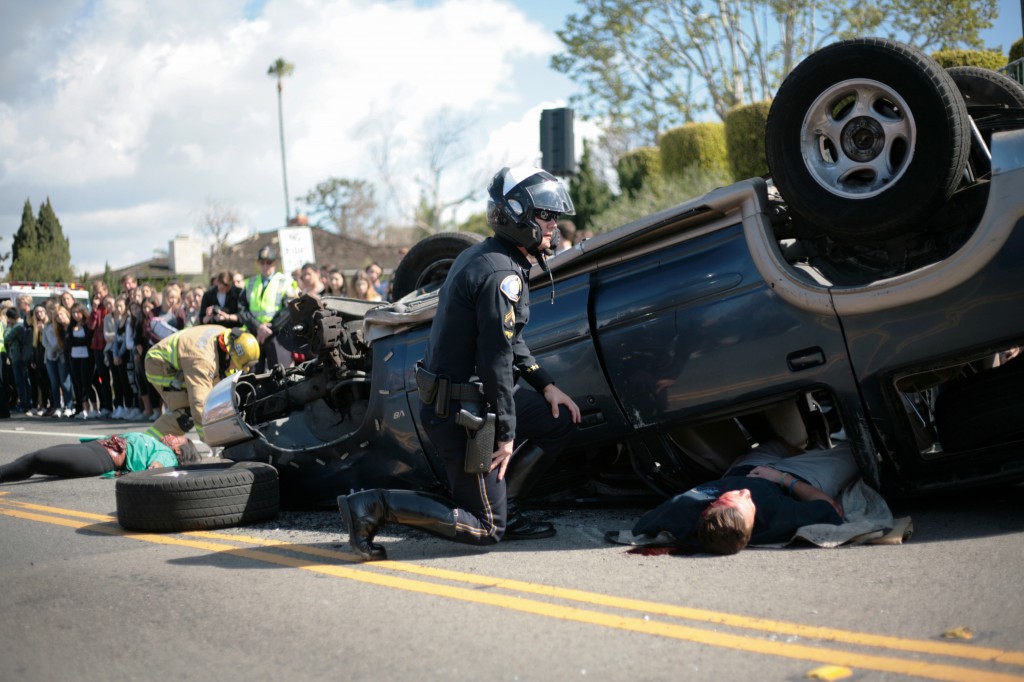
[483, 307]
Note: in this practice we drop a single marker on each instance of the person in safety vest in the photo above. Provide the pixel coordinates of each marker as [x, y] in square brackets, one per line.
[261, 308]
[185, 366]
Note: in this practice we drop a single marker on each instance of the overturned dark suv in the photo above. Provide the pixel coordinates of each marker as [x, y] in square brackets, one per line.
[871, 290]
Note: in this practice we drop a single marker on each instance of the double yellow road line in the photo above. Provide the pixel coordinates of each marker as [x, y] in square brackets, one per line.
[579, 606]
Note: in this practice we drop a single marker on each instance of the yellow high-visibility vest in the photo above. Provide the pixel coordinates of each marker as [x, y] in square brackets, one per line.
[265, 301]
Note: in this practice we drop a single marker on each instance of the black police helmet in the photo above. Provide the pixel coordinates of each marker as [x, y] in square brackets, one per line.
[514, 198]
[268, 252]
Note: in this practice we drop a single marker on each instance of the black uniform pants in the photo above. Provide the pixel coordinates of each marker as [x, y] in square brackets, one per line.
[480, 498]
[70, 460]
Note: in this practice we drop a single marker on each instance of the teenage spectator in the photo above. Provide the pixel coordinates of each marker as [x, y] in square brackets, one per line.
[116, 352]
[24, 305]
[128, 284]
[567, 235]
[336, 285]
[172, 307]
[193, 311]
[97, 347]
[39, 382]
[18, 344]
[190, 307]
[362, 287]
[374, 272]
[67, 299]
[142, 312]
[77, 342]
[57, 366]
[220, 301]
[239, 279]
[309, 280]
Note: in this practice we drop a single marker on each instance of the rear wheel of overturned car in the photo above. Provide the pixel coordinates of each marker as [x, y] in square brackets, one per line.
[866, 138]
[197, 497]
[982, 87]
[982, 91]
[426, 265]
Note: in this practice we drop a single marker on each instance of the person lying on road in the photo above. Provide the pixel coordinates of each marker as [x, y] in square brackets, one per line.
[108, 457]
[764, 497]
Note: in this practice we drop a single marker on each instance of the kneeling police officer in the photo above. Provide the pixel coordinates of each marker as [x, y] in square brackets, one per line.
[470, 408]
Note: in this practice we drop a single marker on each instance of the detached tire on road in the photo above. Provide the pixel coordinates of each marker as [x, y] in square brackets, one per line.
[426, 266]
[866, 138]
[197, 497]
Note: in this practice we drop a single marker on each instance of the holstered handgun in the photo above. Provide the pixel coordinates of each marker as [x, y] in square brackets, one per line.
[479, 427]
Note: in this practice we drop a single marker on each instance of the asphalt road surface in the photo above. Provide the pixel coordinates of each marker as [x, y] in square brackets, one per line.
[82, 599]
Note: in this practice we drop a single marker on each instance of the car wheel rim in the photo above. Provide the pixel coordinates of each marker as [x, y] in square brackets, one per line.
[858, 138]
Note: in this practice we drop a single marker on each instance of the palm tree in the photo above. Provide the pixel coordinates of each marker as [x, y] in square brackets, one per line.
[279, 69]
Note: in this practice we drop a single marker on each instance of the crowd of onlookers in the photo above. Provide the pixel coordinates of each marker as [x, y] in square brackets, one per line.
[63, 359]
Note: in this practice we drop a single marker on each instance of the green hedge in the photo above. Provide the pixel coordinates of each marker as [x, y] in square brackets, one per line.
[744, 138]
[1017, 50]
[636, 167]
[700, 145]
[986, 59]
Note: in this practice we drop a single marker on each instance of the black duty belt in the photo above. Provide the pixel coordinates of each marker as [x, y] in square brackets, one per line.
[439, 390]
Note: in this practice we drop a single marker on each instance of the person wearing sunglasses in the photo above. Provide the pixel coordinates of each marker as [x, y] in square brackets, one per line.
[262, 308]
[470, 410]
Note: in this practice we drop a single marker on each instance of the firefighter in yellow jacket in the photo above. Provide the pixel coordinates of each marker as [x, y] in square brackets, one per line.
[186, 366]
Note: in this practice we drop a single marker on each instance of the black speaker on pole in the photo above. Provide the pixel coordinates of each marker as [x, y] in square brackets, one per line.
[557, 145]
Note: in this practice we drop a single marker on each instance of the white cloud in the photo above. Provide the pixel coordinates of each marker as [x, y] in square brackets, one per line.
[140, 111]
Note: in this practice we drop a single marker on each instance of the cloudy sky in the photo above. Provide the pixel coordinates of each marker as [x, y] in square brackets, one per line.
[131, 115]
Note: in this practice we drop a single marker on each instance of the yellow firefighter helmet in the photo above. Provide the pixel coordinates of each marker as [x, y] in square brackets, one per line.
[242, 348]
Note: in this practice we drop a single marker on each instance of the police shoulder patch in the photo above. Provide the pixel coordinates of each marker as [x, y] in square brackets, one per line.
[512, 287]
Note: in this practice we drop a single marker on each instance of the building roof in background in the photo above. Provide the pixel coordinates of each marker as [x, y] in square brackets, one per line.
[331, 250]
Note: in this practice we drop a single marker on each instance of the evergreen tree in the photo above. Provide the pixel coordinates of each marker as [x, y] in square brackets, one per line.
[56, 245]
[590, 194]
[27, 234]
[41, 251]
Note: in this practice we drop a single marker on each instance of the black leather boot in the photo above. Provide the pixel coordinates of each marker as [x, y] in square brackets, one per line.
[364, 513]
[527, 465]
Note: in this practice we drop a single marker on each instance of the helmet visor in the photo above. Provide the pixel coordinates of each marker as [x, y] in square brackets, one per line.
[550, 195]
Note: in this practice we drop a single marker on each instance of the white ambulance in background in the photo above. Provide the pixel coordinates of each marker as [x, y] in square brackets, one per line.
[42, 291]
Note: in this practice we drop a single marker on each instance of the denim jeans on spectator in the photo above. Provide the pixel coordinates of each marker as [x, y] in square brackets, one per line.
[20, 370]
[60, 382]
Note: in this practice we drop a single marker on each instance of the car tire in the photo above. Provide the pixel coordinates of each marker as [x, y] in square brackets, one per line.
[866, 138]
[426, 266]
[982, 410]
[982, 87]
[197, 497]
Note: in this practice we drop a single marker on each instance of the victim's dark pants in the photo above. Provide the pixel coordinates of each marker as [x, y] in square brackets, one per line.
[69, 460]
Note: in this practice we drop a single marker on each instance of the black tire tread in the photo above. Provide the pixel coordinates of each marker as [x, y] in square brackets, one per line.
[424, 253]
[984, 87]
[939, 159]
[213, 496]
